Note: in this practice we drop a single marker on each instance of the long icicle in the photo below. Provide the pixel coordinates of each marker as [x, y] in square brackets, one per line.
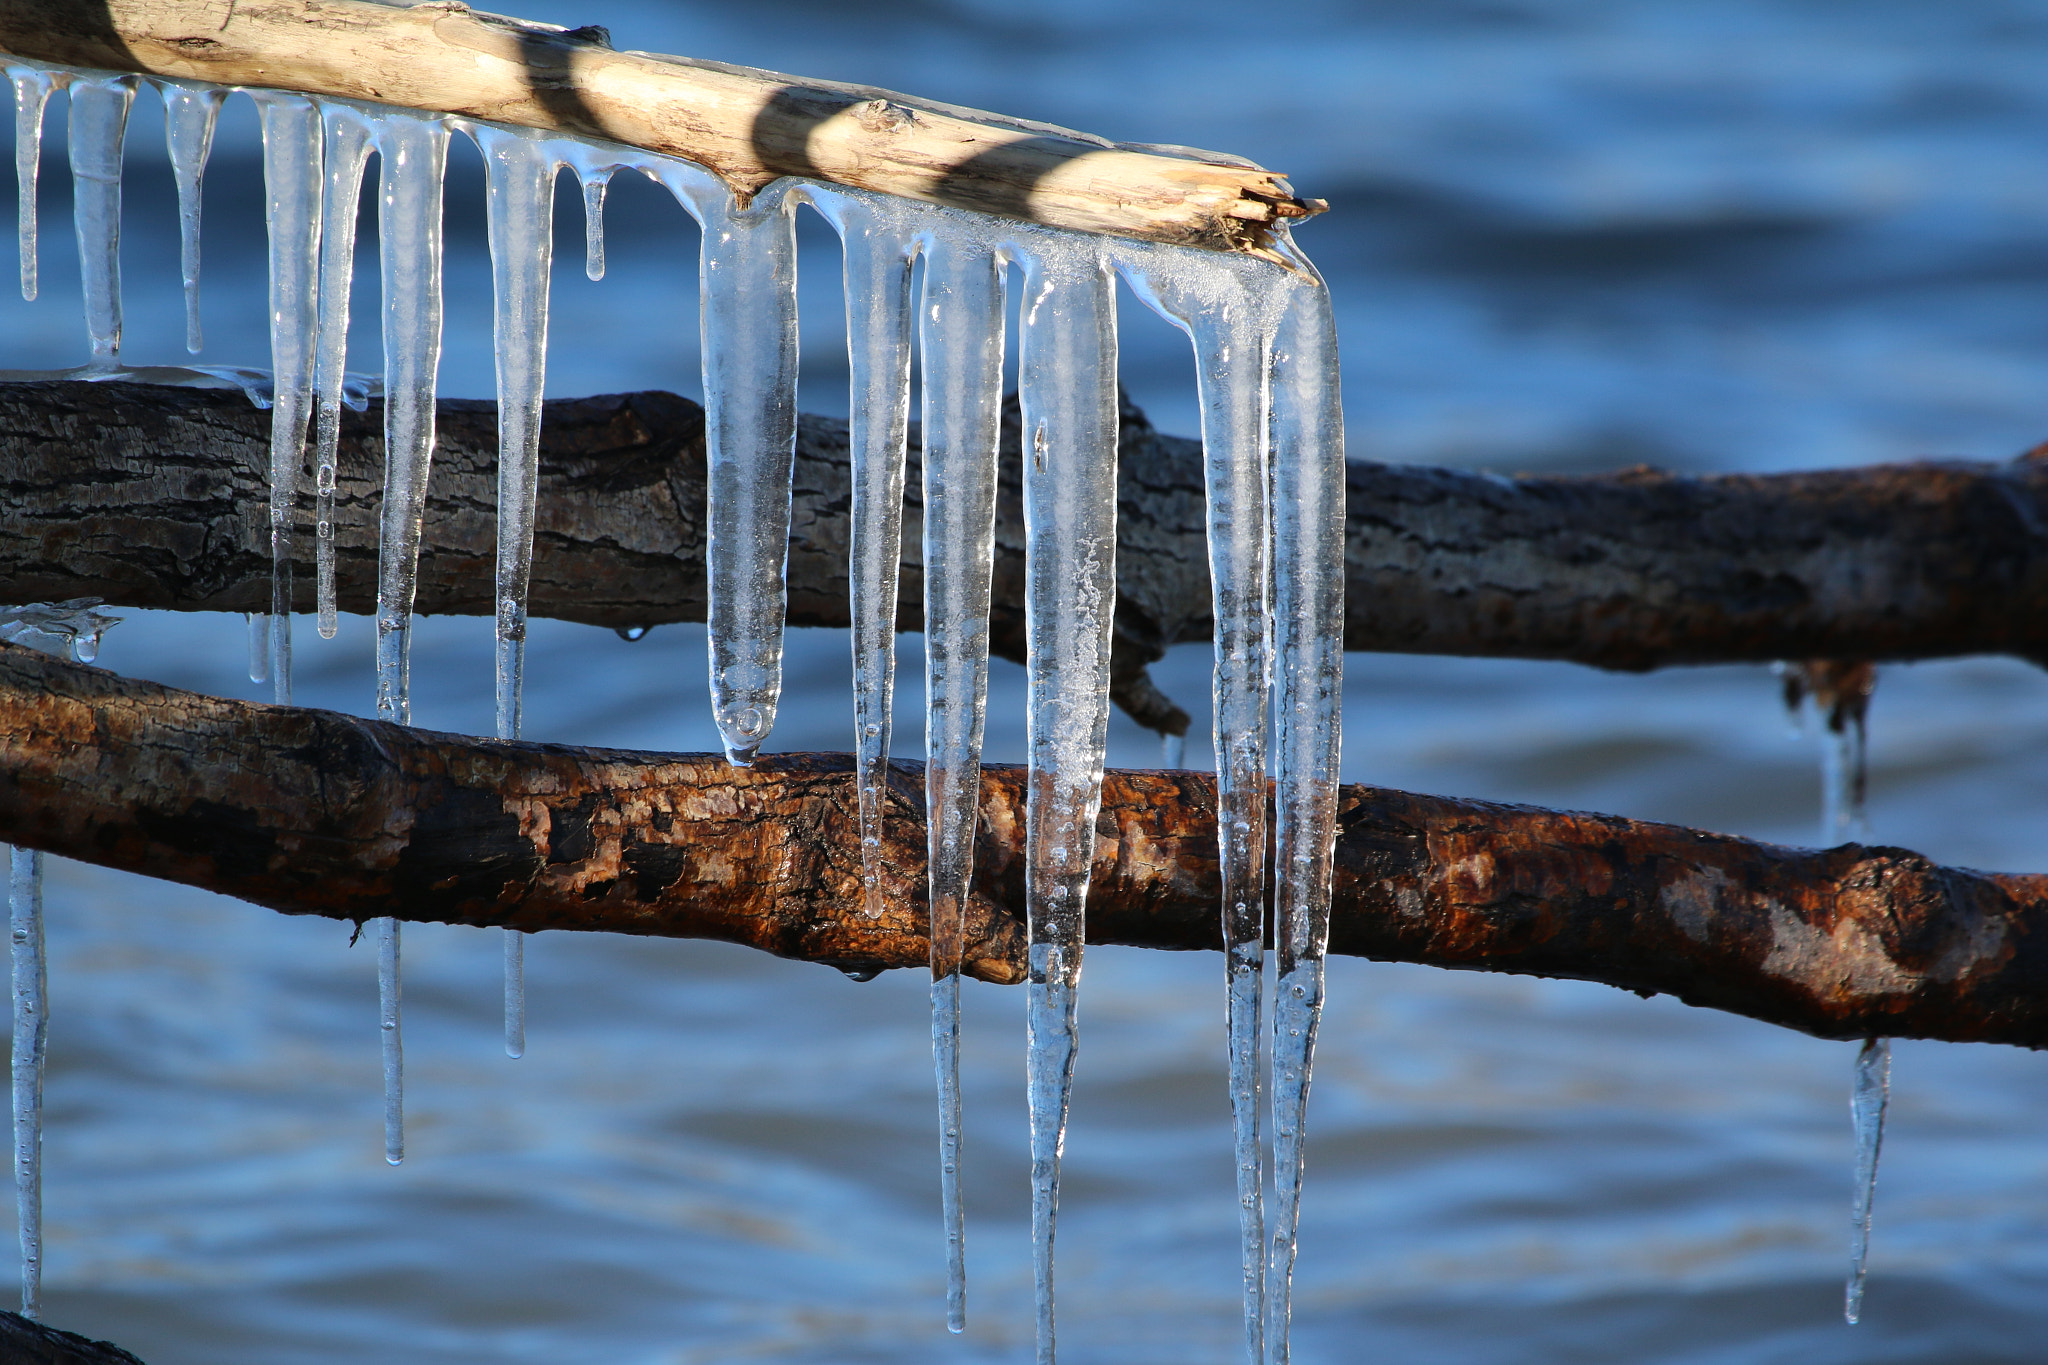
[1227, 322]
[1308, 621]
[749, 339]
[191, 113]
[292, 179]
[347, 152]
[31, 1040]
[1869, 1097]
[961, 345]
[98, 128]
[519, 177]
[33, 87]
[412, 156]
[1067, 336]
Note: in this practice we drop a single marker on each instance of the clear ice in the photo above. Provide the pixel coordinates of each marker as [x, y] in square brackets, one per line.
[33, 86]
[292, 153]
[31, 1039]
[1067, 385]
[98, 128]
[1868, 1100]
[1308, 671]
[191, 113]
[347, 142]
[519, 179]
[412, 156]
[960, 330]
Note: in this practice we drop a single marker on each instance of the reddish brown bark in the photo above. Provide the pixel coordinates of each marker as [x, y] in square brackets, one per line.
[311, 812]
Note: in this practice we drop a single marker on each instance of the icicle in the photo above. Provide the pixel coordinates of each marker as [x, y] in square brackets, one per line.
[1172, 749]
[99, 125]
[190, 115]
[33, 87]
[961, 331]
[292, 180]
[1068, 386]
[31, 1039]
[347, 151]
[594, 185]
[259, 645]
[1867, 1103]
[748, 319]
[1308, 631]
[519, 173]
[412, 155]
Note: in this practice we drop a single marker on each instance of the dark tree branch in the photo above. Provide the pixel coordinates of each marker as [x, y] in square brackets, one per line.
[26, 1342]
[153, 497]
[311, 812]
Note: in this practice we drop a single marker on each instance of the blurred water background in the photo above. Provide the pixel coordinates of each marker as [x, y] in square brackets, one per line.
[1565, 235]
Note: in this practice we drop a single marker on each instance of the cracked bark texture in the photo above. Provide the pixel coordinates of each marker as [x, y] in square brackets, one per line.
[313, 812]
[154, 497]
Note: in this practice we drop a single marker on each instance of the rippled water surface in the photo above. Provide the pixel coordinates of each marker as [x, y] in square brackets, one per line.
[1564, 236]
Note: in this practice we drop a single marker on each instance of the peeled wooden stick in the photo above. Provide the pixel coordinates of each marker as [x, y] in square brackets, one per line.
[748, 126]
[311, 812]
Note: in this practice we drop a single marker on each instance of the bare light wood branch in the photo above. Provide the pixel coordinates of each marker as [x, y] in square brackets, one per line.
[312, 812]
[748, 126]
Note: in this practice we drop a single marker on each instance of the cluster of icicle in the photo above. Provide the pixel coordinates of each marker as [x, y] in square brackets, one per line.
[1266, 363]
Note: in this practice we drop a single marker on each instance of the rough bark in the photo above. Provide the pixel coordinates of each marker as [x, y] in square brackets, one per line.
[154, 497]
[312, 812]
[748, 126]
[26, 1342]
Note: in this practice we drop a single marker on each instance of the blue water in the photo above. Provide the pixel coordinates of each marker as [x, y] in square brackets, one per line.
[1564, 236]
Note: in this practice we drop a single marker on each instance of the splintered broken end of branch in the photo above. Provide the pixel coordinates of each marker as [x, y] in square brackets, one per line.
[312, 812]
[748, 126]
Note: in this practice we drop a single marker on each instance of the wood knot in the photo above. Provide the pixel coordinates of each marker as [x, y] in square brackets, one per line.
[886, 116]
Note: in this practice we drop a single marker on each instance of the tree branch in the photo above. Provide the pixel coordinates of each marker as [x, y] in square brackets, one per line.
[154, 497]
[748, 126]
[312, 812]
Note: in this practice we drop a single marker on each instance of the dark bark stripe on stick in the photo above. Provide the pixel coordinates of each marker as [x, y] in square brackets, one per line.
[154, 497]
[312, 812]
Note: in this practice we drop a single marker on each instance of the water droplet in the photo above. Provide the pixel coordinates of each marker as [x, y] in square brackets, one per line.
[85, 648]
[861, 971]
[631, 632]
[747, 720]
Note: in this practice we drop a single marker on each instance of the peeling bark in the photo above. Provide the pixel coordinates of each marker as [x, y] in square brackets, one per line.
[312, 812]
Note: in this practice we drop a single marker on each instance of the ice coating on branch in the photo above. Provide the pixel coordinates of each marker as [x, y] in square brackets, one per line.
[519, 180]
[191, 112]
[31, 1041]
[1868, 1100]
[292, 179]
[961, 347]
[347, 134]
[1067, 374]
[33, 86]
[99, 126]
[1223, 314]
[1308, 684]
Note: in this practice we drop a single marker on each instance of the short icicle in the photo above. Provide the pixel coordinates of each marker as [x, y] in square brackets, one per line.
[99, 127]
[519, 177]
[347, 139]
[1308, 631]
[33, 86]
[1868, 1100]
[961, 344]
[292, 156]
[1068, 386]
[749, 340]
[191, 112]
[31, 1039]
[412, 156]
[258, 623]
